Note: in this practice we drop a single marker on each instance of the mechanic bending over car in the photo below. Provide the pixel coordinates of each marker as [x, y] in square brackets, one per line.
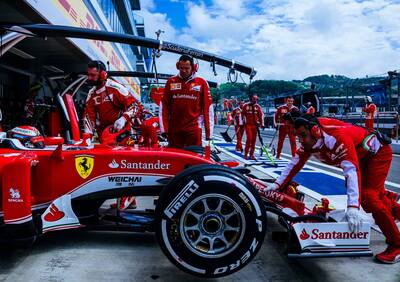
[108, 102]
[185, 106]
[365, 157]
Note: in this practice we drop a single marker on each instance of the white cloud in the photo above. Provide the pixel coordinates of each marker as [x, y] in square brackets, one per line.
[287, 39]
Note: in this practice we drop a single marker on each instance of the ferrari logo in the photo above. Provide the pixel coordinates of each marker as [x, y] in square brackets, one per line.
[84, 165]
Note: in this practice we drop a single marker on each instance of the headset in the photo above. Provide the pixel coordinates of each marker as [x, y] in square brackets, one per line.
[313, 126]
[189, 58]
[102, 69]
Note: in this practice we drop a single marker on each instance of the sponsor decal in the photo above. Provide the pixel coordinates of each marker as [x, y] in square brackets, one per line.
[24, 131]
[182, 197]
[184, 96]
[316, 234]
[15, 196]
[176, 86]
[84, 165]
[240, 261]
[9, 155]
[196, 88]
[127, 180]
[274, 196]
[304, 235]
[53, 214]
[108, 98]
[243, 197]
[113, 164]
[124, 164]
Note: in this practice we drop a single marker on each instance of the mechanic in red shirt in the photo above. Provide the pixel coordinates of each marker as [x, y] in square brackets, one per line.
[310, 109]
[230, 107]
[185, 106]
[253, 117]
[284, 127]
[365, 159]
[370, 110]
[229, 118]
[108, 102]
[150, 127]
[239, 127]
[225, 104]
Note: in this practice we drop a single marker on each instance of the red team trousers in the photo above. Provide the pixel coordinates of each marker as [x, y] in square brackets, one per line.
[183, 139]
[239, 129]
[283, 131]
[369, 123]
[251, 133]
[374, 197]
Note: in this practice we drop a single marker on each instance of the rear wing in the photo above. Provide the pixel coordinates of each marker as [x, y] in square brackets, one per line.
[48, 30]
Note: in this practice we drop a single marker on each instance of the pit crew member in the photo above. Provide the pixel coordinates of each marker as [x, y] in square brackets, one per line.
[253, 118]
[185, 105]
[370, 111]
[108, 102]
[365, 158]
[239, 127]
[310, 109]
[284, 127]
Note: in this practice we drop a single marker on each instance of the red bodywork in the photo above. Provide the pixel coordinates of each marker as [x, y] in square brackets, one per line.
[38, 177]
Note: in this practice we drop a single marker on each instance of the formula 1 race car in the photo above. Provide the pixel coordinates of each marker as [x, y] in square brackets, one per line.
[209, 217]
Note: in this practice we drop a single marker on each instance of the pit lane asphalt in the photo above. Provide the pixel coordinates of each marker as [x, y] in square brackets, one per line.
[78, 255]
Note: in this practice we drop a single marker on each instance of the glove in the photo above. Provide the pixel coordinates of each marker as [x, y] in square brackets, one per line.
[119, 123]
[271, 187]
[354, 219]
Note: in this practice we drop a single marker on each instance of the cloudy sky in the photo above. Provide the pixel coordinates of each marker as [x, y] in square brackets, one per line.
[287, 39]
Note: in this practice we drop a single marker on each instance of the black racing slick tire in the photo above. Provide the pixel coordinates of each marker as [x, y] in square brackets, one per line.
[202, 152]
[210, 221]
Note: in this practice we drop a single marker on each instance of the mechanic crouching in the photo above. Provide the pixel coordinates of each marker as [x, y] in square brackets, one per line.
[108, 102]
[365, 158]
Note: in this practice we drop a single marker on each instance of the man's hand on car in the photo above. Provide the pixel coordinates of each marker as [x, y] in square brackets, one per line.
[353, 216]
[119, 123]
[271, 187]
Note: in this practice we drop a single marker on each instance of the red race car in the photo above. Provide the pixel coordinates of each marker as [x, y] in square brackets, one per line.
[210, 216]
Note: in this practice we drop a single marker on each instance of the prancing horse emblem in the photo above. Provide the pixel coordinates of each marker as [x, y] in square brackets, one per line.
[84, 165]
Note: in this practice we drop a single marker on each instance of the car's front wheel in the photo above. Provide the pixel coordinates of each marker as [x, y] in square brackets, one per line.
[210, 221]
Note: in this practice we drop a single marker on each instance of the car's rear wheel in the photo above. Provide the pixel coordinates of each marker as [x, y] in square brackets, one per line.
[210, 221]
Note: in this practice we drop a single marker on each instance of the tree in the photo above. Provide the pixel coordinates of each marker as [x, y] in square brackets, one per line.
[264, 88]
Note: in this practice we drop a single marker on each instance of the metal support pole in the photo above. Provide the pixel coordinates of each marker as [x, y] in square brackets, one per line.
[398, 92]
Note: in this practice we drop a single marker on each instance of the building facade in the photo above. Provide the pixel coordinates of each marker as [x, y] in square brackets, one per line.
[61, 56]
